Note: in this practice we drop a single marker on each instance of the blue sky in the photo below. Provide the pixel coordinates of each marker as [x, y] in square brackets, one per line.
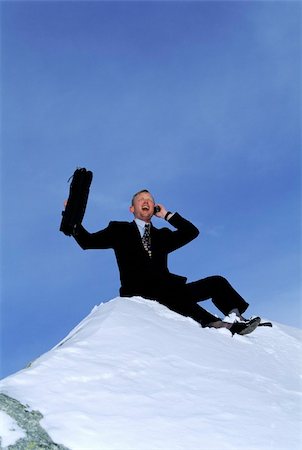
[200, 102]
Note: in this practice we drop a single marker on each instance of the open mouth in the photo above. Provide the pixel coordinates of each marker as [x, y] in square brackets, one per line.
[145, 208]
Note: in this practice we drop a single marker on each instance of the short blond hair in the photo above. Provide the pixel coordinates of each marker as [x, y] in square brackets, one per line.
[140, 192]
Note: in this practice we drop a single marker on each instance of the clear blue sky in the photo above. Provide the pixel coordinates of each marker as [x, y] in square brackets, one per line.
[200, 102]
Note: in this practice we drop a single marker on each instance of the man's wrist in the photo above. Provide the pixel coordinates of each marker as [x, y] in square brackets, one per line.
[168, 215]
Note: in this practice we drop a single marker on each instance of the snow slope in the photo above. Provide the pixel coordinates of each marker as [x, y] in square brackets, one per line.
[134, 375]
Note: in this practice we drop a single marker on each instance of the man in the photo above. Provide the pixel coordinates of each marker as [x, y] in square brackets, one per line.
[142, 251]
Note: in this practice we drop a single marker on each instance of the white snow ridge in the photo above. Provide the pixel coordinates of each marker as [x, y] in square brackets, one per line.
[134, 375]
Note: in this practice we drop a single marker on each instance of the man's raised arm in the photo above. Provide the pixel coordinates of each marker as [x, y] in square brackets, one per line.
[100, 240]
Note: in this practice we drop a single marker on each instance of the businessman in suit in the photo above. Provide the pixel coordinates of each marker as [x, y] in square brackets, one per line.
[142, 251]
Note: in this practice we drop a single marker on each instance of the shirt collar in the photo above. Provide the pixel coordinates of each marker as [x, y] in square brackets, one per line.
[140, 223]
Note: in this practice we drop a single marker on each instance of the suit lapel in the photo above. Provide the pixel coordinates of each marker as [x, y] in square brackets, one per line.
[155, 241]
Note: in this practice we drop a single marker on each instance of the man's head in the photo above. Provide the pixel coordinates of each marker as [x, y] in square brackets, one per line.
[142, 205]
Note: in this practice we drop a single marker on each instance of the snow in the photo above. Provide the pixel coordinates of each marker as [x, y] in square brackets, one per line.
[10, 432]
[134, 375]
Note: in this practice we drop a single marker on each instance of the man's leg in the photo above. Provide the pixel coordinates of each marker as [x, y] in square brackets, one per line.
[223, 295]
[181, 302]
[189, 308]
[185, 302]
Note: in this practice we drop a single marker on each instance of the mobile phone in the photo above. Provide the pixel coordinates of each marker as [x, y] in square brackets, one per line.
[156, 209]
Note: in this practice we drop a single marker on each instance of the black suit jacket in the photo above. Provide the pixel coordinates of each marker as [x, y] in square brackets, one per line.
[139, 274]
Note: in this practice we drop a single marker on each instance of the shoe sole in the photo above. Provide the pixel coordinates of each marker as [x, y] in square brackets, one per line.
[251, 326]
[265, 324]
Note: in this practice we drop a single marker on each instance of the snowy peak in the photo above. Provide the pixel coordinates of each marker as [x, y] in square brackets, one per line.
[134, 375]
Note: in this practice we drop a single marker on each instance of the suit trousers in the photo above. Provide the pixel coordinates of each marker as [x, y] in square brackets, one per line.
[217, 288]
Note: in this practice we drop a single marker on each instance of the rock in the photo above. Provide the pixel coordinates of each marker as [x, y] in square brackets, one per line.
[29, 421]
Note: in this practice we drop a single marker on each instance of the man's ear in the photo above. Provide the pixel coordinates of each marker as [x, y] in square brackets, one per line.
[131, 209]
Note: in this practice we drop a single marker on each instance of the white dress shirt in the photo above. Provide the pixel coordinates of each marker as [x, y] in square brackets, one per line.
[141, 226]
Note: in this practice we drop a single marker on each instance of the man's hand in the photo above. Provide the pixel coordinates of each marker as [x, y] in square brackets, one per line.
[163, 211]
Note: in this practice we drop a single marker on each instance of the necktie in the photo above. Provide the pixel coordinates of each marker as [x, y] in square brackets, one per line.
[146, 239]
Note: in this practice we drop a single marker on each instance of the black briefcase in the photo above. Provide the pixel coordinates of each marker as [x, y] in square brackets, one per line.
[77, 200]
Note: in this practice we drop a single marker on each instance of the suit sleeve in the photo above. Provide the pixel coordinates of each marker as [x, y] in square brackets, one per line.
[185, 232]
[100, 240]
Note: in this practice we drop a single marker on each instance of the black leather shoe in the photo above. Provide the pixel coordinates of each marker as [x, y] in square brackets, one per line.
[243, 328]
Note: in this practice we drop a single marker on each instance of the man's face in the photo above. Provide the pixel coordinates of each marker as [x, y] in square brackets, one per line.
[143, 206]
